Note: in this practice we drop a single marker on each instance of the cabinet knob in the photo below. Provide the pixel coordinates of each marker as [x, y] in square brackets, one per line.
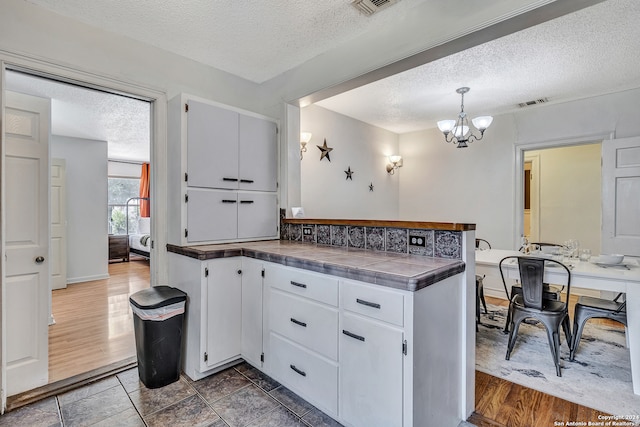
[239, 271]
[39, 260]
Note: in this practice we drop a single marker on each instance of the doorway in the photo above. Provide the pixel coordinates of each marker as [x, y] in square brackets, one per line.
[562, 194]
[46, 87]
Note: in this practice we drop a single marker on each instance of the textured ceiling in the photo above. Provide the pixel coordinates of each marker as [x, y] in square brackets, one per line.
[587, 53]
[84, 113]
[253, 39]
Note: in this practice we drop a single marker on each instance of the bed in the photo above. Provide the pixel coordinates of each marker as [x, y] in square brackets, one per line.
[140, 241]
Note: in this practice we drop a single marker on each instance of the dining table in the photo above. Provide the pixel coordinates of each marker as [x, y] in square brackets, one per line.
[623, 277]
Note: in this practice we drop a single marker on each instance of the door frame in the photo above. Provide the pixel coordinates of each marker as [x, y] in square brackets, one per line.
[158, 156]
[521, 147]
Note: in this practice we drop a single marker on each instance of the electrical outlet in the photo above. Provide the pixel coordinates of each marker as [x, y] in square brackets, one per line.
[418, 241]
[307, 231]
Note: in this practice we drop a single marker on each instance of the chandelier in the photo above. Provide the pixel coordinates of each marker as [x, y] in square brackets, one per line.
[458, 131]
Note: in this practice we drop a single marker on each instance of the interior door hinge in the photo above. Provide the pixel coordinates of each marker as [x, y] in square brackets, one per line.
[262, 357]
[152, 242]
[186, 107]
[404, 347]
[206, 356]
[263, 272]
[186, 232]
[186, 177]
[186, 198]
[206, 272]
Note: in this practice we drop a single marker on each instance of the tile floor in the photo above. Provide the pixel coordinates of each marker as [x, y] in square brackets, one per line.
[238, 396]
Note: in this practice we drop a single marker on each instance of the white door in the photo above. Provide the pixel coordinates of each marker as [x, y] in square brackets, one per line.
[58, 224]
[370, 372]
[224, 313]
[252, 310]
[621, 196]
[26, 241]
[258, 154]
[212, 146]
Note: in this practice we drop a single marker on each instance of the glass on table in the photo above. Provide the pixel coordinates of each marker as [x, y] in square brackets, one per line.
[585, 254]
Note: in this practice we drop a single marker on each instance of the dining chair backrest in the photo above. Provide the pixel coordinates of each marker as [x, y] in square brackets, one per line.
[482, 244]
[531, 271]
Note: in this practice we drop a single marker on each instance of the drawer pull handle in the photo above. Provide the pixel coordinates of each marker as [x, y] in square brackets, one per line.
[230, 179]
[228, 201]
[298, 371]
[297, 322]
[300, 285]
[247, 181]
[367, 303]
[246, 201]
[352, 335]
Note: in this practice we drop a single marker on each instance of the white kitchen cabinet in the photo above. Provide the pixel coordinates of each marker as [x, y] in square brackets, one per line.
[230, 150]
[252, 326]
[213, 316]
[223, 170]
[371, 367]
[215, 215]
[301, 323]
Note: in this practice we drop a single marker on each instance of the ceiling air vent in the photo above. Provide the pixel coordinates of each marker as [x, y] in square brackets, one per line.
[534, 102]
[369, 7]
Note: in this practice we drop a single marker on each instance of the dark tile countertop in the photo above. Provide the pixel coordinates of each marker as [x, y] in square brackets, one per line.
[400, 271]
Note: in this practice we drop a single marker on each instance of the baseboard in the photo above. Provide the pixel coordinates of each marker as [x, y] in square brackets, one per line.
[87, 278]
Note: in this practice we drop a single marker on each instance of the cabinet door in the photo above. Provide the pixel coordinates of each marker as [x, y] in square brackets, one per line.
[252, 311]
[257, 215]
[370, 372]
[211, 215]
[258, 151]
[212, 146]
[224, 308]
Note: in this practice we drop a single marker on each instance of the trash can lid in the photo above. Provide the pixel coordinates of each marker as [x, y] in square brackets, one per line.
[157, 296]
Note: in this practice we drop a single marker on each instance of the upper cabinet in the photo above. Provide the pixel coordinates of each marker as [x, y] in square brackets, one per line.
[230, 150]
[223, 173]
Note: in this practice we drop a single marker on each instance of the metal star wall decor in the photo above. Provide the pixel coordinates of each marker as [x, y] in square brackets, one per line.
[349, 173]
[371, 187]
[325, 150]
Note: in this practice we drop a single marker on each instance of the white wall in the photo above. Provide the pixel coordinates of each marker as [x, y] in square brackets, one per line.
[570, 194]
[326, 193]
[477, 184]
[87, 244]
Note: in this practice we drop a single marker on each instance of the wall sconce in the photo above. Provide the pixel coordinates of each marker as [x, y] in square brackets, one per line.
[395, 163]
[305, 137]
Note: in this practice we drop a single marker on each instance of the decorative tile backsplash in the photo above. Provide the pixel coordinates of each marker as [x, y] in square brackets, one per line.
[425, 242]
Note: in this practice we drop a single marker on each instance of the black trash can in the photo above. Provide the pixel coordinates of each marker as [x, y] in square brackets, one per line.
[158, 317]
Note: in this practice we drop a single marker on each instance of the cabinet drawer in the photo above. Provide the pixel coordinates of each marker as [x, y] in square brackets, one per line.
[305, 373]
[314, 286]
[375, 302]
[308, 323]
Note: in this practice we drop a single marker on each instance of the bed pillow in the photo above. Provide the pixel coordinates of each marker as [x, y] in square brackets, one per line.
[144, 225]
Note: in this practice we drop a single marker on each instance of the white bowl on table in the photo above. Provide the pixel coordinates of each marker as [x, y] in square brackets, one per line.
[610, 259]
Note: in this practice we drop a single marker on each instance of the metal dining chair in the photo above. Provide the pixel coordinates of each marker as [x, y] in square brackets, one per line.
[531, 304]
[591, 308]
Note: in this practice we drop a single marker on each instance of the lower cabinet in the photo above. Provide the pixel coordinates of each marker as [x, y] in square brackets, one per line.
[251, 307]
[371, 360]
[213, 322]
[367, 355]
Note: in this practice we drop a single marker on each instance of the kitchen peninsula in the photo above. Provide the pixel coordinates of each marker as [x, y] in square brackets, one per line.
[380, 337]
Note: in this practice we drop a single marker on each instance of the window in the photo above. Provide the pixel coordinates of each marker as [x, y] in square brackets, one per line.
[120, 190]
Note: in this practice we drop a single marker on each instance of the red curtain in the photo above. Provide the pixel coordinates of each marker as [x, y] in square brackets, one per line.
[144, 191]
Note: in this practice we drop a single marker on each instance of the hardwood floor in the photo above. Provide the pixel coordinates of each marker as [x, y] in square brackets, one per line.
[94, 327]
